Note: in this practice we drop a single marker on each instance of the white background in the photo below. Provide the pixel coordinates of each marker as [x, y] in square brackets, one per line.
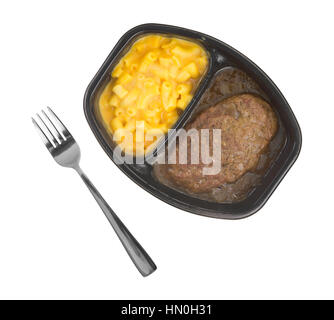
[55, 241]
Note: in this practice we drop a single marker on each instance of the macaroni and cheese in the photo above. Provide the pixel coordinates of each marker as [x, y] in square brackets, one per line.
[149, 88]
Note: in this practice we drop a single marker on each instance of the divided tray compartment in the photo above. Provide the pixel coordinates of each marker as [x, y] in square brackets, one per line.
[221, 56]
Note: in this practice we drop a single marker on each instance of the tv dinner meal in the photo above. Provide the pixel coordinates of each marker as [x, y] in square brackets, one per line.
[160, 80]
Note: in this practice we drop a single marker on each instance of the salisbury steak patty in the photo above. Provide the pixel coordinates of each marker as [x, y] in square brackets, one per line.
[247, 125]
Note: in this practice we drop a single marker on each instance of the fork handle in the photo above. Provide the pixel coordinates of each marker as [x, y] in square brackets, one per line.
[138, 255]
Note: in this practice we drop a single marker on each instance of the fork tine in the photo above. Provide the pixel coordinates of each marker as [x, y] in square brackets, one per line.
[54, 141]
[59, 137]
[61, 126]
[44, 137]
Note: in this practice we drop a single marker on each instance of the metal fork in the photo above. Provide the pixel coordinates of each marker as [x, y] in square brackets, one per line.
[66, 153]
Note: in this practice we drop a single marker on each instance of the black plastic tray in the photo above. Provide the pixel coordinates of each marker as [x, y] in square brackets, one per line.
[221, 56]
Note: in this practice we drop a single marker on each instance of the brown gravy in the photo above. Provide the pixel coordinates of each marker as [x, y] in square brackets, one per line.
[226, 83]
